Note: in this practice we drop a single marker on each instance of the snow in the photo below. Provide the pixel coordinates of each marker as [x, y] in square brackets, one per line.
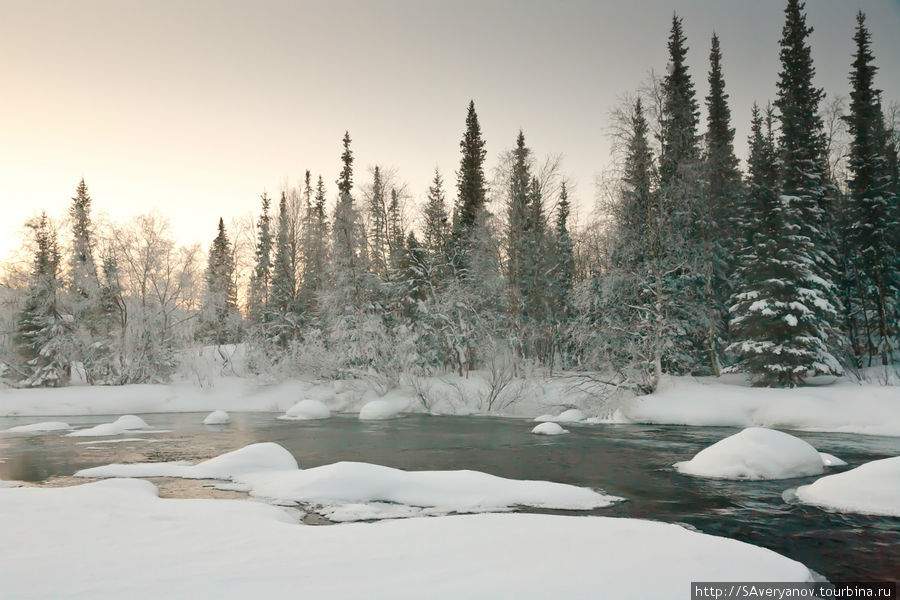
[115, 441]
[755, 453]
[142, 546]
[269, 471]
[378, 410]
[39, 427]
[306, 410]
[10, 484]
[844, 406]
[265, 456]
[829, 460]
[217, 417]
[549, 428]
[120, 425]
[872, 488]
[573, 415]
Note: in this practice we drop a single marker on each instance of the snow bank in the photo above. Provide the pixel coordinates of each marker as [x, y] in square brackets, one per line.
[830, 460]
[872, 488]
[120, 425]
[573, 415]
[378, 410]
[549, 428]
[10, 484]
[306, 410]
[144, 546]
[39, 427]
[217, 417]
[267, 470]
[265, 456]
[755, 453]
[841, 407]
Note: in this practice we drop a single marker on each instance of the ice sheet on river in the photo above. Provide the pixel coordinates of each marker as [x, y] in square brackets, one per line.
[355, 491]
[117, 539]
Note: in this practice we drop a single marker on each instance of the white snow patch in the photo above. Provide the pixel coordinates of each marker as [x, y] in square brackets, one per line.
[844, 407]
[120, 425]
[116, 441]
[549, 428]
[233, 549]
[872, 488]
[10, 484]
[306, 410]
[255, 458]
[217, 417]
[573, 415]
[755, 453]
[378, 410]
[269, 471]
[39, 427]
[830, 460]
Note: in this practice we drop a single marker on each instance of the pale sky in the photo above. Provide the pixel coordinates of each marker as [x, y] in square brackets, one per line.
[194, 107]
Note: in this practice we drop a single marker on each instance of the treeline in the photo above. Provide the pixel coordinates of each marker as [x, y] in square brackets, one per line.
[691, 266]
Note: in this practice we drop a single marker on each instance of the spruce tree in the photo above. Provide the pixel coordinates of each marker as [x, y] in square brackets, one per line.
[808, 280]
[470, 185]
[518, 221]
[873, 255]
[564, 255]
[260, 280]
[436, 224]
[378, 224]
[348, 233]
[680, 113]
[43, 334]
[720, 204]
[284, 278]
[220, 306]
[83, 269]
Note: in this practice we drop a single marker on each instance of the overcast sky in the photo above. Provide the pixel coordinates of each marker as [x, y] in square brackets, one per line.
[194, 107]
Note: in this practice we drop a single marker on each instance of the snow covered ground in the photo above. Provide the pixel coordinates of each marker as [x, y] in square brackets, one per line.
[117, 539]
[844, 406]
[872, 488]
[347, 491]
[756, 453]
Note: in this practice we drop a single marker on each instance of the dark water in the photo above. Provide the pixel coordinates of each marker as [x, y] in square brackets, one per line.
[632, 461]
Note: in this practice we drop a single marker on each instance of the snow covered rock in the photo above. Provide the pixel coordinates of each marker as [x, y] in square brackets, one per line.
[120, 425]
[233, 549]
[872, 488]
[217, 417]
[378, 410]
[830, 460]
[549, 428]
[39, 427]
[306, 410]
[755, 453]
[255, 458]
[573, 415]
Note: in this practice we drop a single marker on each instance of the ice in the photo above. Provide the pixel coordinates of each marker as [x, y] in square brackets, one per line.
[217, 417]
[755, 453]
[120, 425]
[549, 428]
[144, 546]
[306, 410]
[39, 427]
[872, 488]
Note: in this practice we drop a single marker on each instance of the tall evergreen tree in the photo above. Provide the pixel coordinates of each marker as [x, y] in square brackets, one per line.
[680, 112]
[83, 273]
[721, 202]
[43, 335]
[260, 280]
[220, 306]
[348, 233]
[283, 295]
[470, 186]
[518, 223]
[809, 285]
[564, 255]
[378, 224]
[870, 234]
[436, 227]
